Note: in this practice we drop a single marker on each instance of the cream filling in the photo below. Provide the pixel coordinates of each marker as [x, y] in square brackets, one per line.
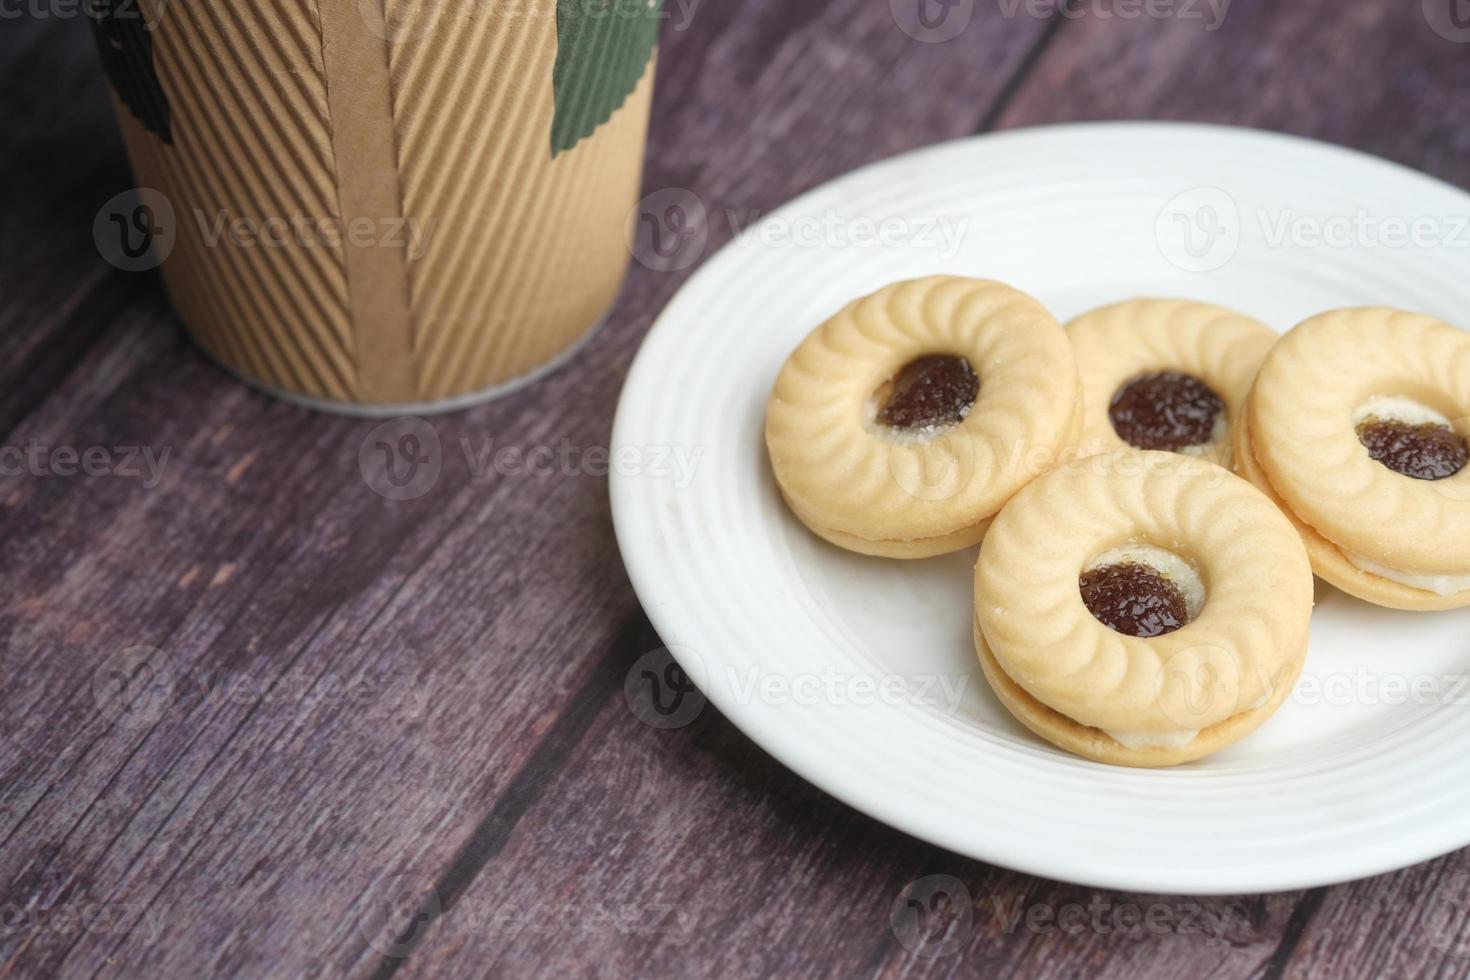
[1438, 584]
[1170, 740]
[1218, 436]
[1398, 409]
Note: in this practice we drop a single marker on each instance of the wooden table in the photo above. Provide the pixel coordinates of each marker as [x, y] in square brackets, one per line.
[391, 737]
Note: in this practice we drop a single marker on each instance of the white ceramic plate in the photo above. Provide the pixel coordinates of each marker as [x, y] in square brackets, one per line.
[859, 673]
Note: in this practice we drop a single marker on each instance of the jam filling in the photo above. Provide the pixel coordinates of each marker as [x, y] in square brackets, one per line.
[1134, 599]
[1424, 451]
[933, 391]
[1165, 410]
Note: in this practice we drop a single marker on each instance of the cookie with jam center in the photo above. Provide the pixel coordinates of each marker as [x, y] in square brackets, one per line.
[1142, 608]
[1359, 425]
[1166, 374]
[900, 426]
[1328, 561]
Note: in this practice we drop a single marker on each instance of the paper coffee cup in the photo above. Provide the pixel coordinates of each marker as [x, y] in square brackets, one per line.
[380, 204]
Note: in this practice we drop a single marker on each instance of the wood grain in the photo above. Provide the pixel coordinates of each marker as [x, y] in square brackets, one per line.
[396, 739]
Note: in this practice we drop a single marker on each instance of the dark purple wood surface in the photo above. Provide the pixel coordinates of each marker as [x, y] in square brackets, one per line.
[392, 737]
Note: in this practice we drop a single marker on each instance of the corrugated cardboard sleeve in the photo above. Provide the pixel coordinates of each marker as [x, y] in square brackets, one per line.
[361, 106]
[488, 256]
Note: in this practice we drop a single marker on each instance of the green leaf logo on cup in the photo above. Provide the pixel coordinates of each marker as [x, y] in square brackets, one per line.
[603, 50]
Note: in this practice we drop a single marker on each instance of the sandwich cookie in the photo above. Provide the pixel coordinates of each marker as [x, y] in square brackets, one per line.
[1142, 608]
[1166, 374]
[1358, 428]
[902, 425]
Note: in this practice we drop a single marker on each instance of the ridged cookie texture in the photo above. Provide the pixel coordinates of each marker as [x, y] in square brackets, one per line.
[1303, 433]
[877, 492]
[1328, 560]
[1099, 746]
[1247, 643]
[1116, 344]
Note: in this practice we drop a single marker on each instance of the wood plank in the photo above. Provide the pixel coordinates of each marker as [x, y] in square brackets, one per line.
[60, 159]
[1415, 923]
[667, 853]
[246, 828]
[491, 761]
[1373, 76]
